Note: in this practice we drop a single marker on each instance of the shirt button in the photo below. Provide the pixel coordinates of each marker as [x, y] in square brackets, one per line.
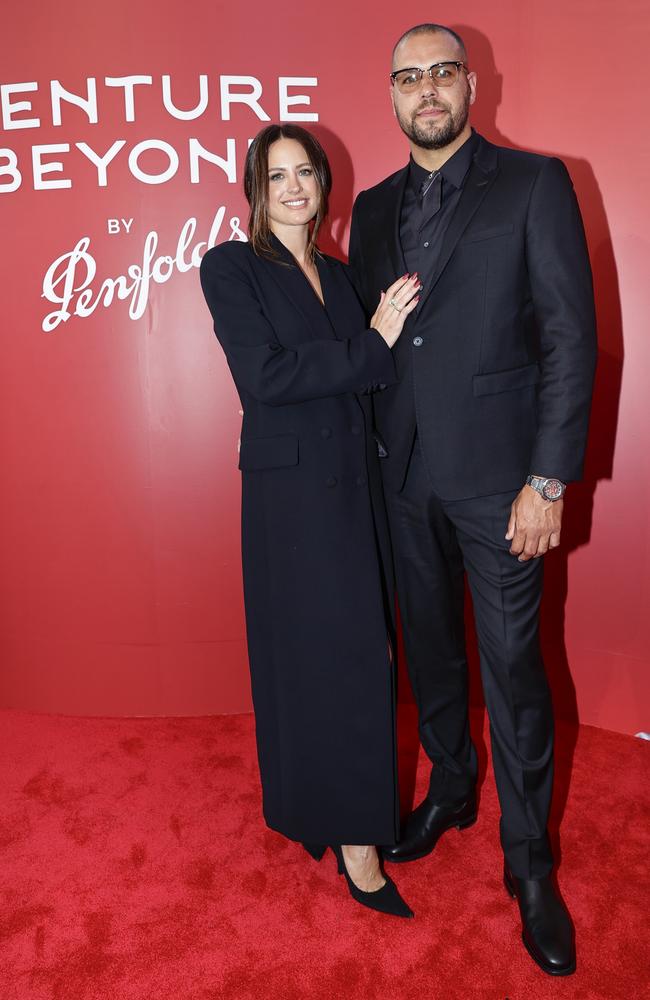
[355, 429]
[326, 432]
[330, 481]
[426, 244]
[418, 341]
[361, 480]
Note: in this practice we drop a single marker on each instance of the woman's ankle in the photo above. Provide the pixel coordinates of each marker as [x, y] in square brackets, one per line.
[360, 854]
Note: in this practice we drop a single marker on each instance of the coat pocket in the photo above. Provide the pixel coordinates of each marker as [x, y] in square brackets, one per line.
[268, 453]
[487, 234]
[506, 381]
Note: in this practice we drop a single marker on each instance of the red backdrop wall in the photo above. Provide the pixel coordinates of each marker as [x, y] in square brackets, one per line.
[120, 580]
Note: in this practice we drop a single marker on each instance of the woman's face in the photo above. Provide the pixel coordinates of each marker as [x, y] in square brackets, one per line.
[294, 195]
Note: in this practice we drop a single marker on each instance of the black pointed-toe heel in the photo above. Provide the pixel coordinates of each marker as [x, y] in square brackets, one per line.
[384, 900]
[315, 850]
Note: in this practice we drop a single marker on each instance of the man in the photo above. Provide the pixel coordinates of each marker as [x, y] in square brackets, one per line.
[480, 437]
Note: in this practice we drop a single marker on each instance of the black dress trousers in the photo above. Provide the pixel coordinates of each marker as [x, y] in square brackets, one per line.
[434, 543]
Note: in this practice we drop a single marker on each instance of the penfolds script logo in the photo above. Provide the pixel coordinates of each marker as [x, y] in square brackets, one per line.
[70, 281]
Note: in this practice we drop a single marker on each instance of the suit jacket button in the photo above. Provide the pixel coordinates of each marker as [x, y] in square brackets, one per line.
[417, 341]
[355, 429]
[330, 481]
[361, 480]
[326, 432]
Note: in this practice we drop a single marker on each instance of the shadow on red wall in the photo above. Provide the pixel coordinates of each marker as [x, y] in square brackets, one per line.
[332, 237]
[577, 524]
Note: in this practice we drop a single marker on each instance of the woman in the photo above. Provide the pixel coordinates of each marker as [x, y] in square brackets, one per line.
[295, 340]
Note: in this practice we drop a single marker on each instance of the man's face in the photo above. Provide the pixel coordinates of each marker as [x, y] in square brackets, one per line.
[432, 116]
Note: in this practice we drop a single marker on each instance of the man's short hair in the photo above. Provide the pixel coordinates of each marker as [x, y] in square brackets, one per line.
[432, 29]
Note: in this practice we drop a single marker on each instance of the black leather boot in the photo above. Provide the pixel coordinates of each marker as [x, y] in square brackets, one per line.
[547, 931]
[425, 826]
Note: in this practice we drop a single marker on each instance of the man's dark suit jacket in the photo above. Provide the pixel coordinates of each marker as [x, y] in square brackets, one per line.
[496, 364]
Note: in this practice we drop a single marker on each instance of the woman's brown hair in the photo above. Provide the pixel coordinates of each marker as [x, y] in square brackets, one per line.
[256, 184]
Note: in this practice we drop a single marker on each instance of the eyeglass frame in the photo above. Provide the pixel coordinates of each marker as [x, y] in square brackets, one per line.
[416, 69]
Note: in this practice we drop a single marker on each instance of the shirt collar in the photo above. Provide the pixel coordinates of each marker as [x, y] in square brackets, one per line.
[454, 171]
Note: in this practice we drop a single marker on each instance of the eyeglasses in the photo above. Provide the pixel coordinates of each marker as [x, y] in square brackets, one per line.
[442, 74]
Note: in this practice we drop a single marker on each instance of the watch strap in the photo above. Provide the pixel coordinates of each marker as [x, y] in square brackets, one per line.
[540, 483]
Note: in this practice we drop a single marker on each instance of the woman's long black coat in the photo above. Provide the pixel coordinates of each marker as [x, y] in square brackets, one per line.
[311, 515]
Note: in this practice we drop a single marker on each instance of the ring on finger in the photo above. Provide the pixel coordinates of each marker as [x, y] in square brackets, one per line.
[393, 303]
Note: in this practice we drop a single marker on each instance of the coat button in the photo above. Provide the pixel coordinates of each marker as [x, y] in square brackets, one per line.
[361, 480]
[355, 429]
[331, 481]
[326, 432]
[418, 341]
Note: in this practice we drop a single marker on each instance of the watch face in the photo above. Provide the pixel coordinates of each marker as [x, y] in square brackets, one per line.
[553, 489]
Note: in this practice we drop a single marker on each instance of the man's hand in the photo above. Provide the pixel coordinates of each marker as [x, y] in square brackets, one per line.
[535, 524]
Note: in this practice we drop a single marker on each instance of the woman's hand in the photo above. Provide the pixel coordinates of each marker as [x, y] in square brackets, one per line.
[395, 304]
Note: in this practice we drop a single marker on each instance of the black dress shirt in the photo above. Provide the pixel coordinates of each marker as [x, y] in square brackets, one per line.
[421, 242]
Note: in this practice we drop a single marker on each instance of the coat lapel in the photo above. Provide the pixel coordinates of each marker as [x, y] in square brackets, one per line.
[481, 176]
[343, 307]
[295, 285]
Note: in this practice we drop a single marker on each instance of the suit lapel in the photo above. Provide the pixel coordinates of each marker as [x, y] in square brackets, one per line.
[481, 176]
[385, 226]
[395, 208]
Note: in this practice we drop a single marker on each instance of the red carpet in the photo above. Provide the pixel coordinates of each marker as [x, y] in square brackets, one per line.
[135, 866]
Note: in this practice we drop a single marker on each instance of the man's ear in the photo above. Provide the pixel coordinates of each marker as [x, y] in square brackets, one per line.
[392, 97]
[472, 80]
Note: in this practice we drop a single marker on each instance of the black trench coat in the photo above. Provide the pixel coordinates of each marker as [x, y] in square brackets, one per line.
[312, 531]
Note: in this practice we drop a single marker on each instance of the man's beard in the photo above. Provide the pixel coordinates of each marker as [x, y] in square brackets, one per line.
[431, 135]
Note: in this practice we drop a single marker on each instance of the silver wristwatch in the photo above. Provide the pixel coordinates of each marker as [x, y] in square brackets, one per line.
[550, 489]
